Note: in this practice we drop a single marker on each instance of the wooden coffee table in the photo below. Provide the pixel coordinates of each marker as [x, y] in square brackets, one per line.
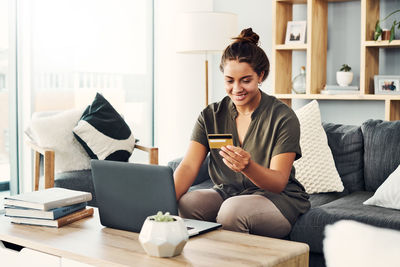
[86, 241]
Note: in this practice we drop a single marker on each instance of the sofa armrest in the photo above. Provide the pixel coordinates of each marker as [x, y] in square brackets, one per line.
[203, 172]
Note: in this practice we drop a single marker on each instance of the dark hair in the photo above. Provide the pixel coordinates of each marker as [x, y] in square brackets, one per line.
[245, 49]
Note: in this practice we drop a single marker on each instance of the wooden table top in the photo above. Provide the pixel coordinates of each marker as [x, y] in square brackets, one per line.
[89, 242]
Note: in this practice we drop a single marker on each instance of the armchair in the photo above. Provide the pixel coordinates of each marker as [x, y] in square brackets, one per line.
[45, 157]
[59, 158]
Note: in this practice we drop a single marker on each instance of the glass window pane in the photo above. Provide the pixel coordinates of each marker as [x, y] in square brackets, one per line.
[75, 48]
[4, 102]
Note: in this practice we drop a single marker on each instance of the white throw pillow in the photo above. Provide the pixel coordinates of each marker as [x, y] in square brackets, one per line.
[388, 194]
[350, 243]
[54, 131]
[316, 169]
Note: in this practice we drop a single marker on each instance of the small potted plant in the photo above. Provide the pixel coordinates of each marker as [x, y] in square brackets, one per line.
[344, 76]
[163, 235]
[378, 30]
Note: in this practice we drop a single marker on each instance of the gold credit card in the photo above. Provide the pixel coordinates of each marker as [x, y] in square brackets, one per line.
[219, 140]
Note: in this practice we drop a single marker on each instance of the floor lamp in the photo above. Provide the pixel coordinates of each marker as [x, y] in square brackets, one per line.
[205, 33]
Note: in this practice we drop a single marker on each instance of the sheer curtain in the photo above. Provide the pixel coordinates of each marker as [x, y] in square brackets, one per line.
[71, 49]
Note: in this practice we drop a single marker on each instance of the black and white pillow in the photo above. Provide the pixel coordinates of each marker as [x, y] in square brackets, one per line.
[103, 133]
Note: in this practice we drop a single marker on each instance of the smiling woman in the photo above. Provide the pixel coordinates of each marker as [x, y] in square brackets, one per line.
[257, 170]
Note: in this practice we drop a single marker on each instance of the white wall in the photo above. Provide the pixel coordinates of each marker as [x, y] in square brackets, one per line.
[179, 80]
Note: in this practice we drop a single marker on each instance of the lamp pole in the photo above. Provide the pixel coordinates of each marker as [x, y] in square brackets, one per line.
[206, 82]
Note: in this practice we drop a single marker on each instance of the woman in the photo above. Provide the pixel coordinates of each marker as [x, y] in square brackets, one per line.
[255, 190]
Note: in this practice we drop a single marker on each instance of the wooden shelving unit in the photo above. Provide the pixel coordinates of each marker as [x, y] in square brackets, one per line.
[316, 50]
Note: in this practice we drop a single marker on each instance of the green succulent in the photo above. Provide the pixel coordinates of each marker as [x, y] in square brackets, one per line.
[160, 217]
[345, 68]
[378, 29]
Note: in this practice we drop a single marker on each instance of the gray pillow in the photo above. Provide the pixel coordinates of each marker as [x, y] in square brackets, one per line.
[381, 151]
[346, 144]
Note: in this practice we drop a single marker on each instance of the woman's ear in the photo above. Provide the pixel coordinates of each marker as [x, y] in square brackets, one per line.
[261, 77]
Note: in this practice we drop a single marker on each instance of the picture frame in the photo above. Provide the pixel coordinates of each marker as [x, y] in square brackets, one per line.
[387, 84]
[296, 32]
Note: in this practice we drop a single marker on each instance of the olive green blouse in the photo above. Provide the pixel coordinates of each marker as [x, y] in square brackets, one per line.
[274, 129]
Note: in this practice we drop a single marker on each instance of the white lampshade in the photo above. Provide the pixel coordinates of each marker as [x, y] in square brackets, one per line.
[205, 32]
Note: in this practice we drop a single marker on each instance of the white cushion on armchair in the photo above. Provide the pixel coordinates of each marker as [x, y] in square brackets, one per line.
[53, 130]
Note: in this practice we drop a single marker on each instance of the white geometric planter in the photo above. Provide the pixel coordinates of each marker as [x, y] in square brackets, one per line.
[163, 239]
[344, 78]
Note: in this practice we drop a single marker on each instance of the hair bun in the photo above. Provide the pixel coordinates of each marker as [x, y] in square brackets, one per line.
[247, 36]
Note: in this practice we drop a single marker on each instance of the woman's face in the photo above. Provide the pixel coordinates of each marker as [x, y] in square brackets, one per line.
[241, 82]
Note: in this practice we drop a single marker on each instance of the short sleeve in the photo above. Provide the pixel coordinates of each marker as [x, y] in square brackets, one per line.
[199, 132]
[288, 137]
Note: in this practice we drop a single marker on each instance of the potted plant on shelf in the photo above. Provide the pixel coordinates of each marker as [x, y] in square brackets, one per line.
[163, 235]
[378, 30]
[344, 76]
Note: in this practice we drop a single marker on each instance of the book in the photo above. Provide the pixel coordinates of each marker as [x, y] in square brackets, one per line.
[70, 218]
[338, 87]
[48, 199]
[340, 92]
[53, 214]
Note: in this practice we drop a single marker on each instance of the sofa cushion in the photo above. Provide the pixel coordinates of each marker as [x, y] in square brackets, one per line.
[381, 151]
[203, 172]
[309, 228]
[77, 180]
[347, 146]
[320, 199]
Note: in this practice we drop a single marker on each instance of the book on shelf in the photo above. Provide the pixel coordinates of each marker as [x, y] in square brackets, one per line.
[70, 218]
[343, 88]
[48, 199]
[340, 92]
[13, 211]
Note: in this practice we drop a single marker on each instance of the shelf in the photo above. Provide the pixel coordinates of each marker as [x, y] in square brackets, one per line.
[305, 1]
[337, 97]
[291, 47]
[383, 44]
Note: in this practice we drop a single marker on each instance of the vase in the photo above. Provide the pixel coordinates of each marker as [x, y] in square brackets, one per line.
[344, 78]
[299, 82]
[163, 239]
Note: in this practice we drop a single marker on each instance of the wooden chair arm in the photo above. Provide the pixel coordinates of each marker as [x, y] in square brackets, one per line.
[48, 164]
[153, 153]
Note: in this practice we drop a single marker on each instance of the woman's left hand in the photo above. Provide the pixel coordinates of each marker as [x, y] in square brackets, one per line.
[235, 158]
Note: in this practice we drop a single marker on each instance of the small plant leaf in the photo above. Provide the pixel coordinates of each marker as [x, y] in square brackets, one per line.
[391, 34]
[345, 68]
[378, 31]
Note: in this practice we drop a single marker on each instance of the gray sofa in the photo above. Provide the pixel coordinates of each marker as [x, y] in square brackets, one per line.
[364, 157]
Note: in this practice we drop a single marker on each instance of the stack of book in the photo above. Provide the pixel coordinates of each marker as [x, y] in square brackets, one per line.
[54, 207]
[340, 90]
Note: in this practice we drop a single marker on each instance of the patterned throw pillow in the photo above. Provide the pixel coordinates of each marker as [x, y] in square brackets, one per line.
[103, 133]
[316, 169]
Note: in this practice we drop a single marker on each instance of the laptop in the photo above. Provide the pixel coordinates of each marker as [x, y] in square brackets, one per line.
[127, 193]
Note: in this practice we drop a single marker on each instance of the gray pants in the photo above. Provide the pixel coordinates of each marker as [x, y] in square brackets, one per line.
[252, 214]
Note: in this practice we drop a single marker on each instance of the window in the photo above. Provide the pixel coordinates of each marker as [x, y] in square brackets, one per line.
[5, 105]
[71, 49]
